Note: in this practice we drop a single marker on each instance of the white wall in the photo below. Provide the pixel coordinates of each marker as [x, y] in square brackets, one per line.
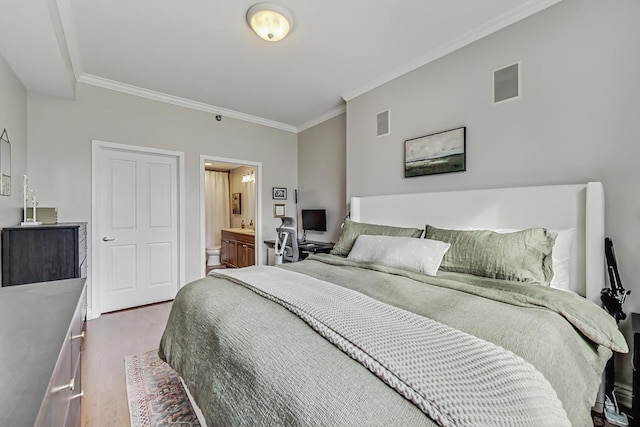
[60, 134]
[322, 174]
[13, 118]
[576, 121]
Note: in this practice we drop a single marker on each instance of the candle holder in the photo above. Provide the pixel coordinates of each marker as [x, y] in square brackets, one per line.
[27, 222]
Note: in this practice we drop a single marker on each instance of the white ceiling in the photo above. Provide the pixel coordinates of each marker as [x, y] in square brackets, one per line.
[202, 54]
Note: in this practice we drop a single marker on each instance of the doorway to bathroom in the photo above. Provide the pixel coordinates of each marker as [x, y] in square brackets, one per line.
[230, 212]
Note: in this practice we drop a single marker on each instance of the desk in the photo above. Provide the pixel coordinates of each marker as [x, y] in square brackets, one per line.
[307, 248]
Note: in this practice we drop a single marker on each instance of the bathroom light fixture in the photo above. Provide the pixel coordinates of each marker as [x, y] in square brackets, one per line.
[269, 21]
[248, 177]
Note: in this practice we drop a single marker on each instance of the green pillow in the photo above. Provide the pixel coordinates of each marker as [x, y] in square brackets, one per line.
[351, 230]
[522, 256]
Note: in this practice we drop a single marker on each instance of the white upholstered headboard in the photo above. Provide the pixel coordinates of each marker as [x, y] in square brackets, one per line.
[553, 207]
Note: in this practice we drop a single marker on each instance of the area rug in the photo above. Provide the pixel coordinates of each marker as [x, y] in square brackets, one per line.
[155, 393]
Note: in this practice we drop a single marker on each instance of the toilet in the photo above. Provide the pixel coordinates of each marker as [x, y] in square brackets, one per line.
[213, 256]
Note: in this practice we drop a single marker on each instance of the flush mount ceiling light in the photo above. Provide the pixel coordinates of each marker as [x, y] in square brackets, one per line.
[269, 21]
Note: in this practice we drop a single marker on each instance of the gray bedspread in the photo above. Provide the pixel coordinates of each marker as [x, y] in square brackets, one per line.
[249, 361]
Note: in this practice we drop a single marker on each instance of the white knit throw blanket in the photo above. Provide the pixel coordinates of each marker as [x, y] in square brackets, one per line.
[455, 378]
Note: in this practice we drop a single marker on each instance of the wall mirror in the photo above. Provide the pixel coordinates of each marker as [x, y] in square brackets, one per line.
[5, 164]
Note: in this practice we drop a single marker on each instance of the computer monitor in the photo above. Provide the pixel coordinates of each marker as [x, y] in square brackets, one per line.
[314, 220]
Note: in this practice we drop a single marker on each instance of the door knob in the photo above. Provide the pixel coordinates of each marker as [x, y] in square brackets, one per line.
[108, 239]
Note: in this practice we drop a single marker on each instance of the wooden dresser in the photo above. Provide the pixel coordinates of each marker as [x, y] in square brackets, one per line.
[43, 253]
[41, 332]
[238, 247]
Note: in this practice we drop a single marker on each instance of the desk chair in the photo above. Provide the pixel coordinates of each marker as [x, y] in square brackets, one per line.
[291, 250]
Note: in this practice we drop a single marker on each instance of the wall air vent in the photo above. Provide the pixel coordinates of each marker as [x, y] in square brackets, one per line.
[506, 84]
[384, 123]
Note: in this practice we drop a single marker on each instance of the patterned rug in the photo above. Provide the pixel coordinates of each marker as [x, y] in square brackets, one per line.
[155, 393]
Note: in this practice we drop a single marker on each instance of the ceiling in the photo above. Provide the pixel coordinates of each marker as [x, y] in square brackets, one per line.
[202, 54]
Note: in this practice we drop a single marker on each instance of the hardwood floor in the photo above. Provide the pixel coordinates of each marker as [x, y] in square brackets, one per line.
[109, 339]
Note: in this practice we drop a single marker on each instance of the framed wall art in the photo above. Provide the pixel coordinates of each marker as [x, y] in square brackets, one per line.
[279, 210]
[236, 203]
[279, 193]
[440, 152]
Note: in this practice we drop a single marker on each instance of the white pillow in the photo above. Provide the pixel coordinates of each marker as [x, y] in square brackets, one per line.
[563, 259]
[423, 255]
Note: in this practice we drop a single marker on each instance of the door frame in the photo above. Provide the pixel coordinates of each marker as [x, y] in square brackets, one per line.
[258, 165]
[95, 310]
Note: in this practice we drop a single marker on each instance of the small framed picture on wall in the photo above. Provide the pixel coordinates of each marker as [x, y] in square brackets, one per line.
[236, 203]
[279, 210]
[279, 193]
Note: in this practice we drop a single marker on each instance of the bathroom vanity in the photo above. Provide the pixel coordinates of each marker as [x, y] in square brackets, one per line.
[238, 247]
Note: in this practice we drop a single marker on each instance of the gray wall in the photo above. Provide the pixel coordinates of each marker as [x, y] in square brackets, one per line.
[321, 174]
[60, 134]
[576, 121]
[13, 118]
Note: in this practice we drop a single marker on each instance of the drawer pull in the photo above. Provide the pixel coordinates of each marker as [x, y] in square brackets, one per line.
[69, 386]
[81, 335]
[79, 395]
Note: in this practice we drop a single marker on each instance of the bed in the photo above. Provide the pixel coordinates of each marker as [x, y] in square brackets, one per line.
[338, 340]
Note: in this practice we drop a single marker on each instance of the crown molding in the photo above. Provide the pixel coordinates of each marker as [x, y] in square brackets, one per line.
[62, 16]
[323, 118]
[527, 9]
[181, 102]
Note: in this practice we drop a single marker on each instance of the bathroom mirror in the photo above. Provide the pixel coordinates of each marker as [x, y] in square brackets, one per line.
[5, 164]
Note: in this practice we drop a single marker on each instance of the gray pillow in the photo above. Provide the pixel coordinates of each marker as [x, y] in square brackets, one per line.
[522, 256]
[351, 230]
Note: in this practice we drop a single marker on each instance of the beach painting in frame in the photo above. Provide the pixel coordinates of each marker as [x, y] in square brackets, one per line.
[436, 153]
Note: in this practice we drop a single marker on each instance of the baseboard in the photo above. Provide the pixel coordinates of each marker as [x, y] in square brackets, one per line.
[90, 315]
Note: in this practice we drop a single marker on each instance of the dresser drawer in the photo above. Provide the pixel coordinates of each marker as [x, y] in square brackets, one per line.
[56, 400]
[76, 330]
[73, 415]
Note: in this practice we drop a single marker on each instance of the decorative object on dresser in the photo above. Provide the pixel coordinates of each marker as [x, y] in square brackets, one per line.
[238, 247]
[45, 215]
[41, 332]
[43, 253]
[440, 152]
[26, 221]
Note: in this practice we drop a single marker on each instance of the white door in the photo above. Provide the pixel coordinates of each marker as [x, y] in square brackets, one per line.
[137, 228]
